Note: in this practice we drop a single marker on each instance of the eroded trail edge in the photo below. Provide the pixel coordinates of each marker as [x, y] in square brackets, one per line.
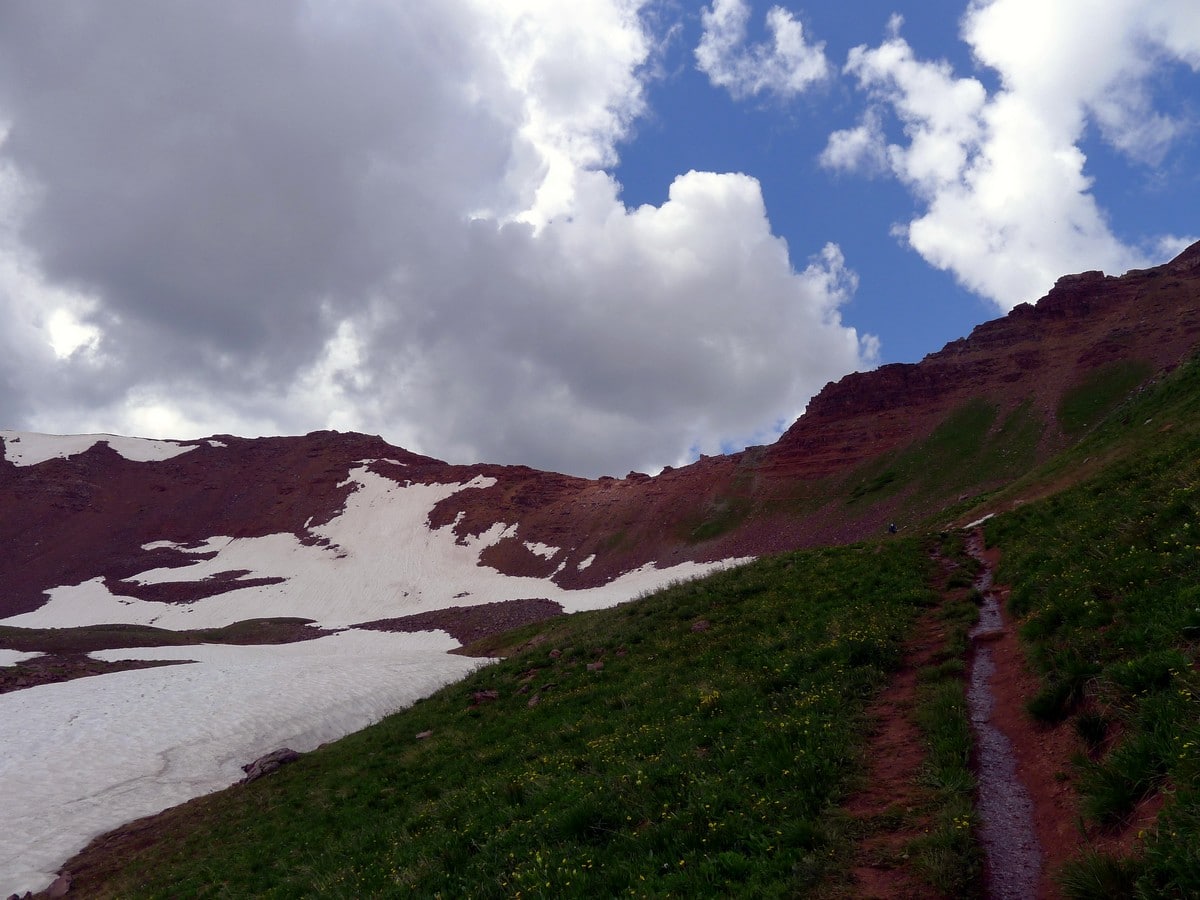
[1011, 849]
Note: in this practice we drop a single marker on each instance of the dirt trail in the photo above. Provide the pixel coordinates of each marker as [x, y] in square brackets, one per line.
[1010, 844]
[881, 870]
[1039, 755]
[1025, 799]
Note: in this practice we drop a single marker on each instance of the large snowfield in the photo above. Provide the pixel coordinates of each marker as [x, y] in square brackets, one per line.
[81, 757]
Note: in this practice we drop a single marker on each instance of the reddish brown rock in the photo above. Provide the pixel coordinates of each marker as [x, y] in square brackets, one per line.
[66, 521]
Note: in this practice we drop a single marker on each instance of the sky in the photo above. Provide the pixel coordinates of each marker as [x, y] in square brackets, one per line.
[590, 237]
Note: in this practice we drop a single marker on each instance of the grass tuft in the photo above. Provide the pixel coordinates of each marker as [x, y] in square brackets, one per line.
[1099, 876]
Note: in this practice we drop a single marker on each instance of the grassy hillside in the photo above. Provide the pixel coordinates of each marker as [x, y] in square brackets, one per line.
[1106, 581]
[690, 744]
[700, 741]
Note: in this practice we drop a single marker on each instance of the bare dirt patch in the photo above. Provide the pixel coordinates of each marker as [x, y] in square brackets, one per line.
[469, 624]
[65, 650]
[889, 808]
[892, 809]
[54, 667]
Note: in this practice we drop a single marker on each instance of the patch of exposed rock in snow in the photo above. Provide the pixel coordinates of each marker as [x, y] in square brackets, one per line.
[81, 757]
[12, 657]
[379, 559]
[27, 448]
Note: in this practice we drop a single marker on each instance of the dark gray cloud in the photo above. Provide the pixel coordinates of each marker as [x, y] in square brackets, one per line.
[270, 216]
[219, 170]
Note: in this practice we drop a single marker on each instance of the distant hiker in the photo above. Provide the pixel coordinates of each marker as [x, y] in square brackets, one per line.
[891, 527]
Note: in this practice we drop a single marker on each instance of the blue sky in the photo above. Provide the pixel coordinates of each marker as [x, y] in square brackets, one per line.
[912, 306]
[589, 237]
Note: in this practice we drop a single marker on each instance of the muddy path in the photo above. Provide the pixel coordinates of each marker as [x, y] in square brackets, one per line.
[1012, 851]
[1025, 800]
[894, 809]
[1025, 796]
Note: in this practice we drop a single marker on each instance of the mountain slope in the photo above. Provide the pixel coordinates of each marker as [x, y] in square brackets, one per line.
[346, 530]
[701, 741]
[857, 459]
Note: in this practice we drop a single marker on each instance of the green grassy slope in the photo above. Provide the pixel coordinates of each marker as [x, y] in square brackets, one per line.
[1106, 581]
[975, 448]
[692, 744]
[695, 743]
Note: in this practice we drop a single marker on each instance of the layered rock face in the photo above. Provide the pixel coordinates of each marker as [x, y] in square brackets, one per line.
[1036, 352]
[91, 514]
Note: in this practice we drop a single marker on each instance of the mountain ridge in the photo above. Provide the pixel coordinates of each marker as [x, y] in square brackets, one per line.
[796, 492]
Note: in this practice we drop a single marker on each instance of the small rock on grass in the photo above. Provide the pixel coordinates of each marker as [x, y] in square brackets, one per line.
[60, 886]
[265, 765]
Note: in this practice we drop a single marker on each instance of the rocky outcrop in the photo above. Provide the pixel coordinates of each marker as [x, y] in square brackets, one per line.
[1035, 353]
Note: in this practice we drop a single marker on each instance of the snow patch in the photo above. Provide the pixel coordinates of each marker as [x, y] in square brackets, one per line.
[545, 551]
[587, 562]
[81, 757]
[12, 657]
[27, 448]
[978, 522]
[380, 560]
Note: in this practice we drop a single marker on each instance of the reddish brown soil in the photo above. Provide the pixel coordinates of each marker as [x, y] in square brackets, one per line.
[54, 667]
[468, 624]
[892, 807]
[880, 870]
[189, 591]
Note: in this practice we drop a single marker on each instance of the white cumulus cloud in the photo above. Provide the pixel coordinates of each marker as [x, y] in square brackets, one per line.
[400, 218]
[786, 66]
[1007, 202]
